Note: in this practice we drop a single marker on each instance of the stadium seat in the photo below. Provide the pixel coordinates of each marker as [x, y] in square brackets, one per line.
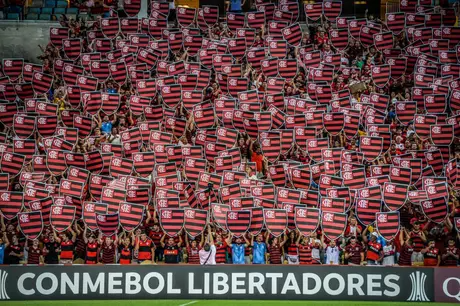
[44, 17]
[72, 11]
[61, 4]
[12, 16]
[47, 10]
[32, 16]
[50, 3]
[59, 11]
[33, 10]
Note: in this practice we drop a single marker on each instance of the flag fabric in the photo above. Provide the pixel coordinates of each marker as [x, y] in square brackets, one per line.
[31, 224]
[171, 220]
[11, 203]
[276, 221]
[238, 221]
[307, 220]
[130, 215]
[387, 224]
[195, 221]
[62, 217]
[107, 223]
[333, 224]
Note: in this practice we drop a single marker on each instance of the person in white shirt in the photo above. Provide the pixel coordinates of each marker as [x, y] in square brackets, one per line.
[389, 252]
[208, 252]
[332, 253]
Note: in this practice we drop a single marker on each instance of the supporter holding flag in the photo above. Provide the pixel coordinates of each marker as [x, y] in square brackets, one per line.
[304, 249]
[221, 249]
[92, 247]
[126, 248]
[155, 234]
[108, 249]
[291, 248]
[275, 249]
[50, 250]
[238, 249]
[259, 250]
[66, 245]
[374, 252]
[418, 239]
[171, 249]
[208, 253]
[145, 248]
[389, 253]
[34, 253]
[193, 249]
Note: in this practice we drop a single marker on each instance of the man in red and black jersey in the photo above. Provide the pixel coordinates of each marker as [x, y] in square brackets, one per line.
[155, 234]
[451, 254]
[419, 239]
[221, 249]
[92, 247]
[304, 247]
[431, 255]
[171, 249]
[34, 253]
[67, 243]
[374, 253]
[354, 252]
[15, 252]
[126, 248]
[193, 249]
[407, 249]
[108, 250]
[145, 248]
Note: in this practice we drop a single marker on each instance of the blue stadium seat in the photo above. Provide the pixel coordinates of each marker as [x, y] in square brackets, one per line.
[59, 11]
[12, 16]
[50, 3]
[44, 17]
[32, 16]
[33, 10]
[61, 4]
[72, 11]
[47, 10]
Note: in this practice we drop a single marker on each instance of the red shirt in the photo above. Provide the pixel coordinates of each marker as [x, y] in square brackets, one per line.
[431, 257]
[355, 252]
[258, 159]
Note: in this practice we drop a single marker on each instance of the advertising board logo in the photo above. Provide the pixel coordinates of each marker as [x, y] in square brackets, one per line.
[3, 294]
[418, 293]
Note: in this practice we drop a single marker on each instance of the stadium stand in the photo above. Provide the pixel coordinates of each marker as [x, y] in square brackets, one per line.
[253, 139]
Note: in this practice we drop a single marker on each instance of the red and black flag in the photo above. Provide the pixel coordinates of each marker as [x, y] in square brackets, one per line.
[147, 57]
[62, 217]
[195, 221]
[78, 174]
[86, 83]
[156, 27]
[110, 27]
[29, 69]
[306, 220]
[57, 35]
[355, 178]
[313, 11]
[315, 146]
[110, 102]
[255, 20]
[293, 34]
[332, 10]
[94, 162]
[31, 224]
[11, 203]
[442, 134]
[394, 195]
[436, 189]
[92, 102]
[387, 224]
[301, 177]
[366, 208]
[219, 214]
[257, 220]
[398, 67]
[338, 38]
[435, 209]
[276, 48]
[400, 175]
[143, 163]
[120, 166]
[72, 48]
[405, 111]
[12, 163]
[100, 69]
[185, 16]
[235, 21]
[13, 68]
[73, 188]
[287, 68]
[171, 220]
[371, 147]
[271, 147]
[422, 125]
[113, 197]
[333, 224]
[275, 221]
[43, 205]
[333, 123]
[83, 124]
[396, 22]
[118, 72]
[23, 126]
[89, 212]
[383, 41]
[354, 27]
[380, 75]
[107, 223]
[41, 82]
[130, 215]
[435, 104]
[238, 221]
[175, 41]
[457, 224]
[332, 204]
[132, 7]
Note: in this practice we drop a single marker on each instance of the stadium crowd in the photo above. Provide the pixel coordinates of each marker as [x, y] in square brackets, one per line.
[419, 239]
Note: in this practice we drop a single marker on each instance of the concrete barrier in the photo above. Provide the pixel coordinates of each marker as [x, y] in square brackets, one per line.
[21, 39]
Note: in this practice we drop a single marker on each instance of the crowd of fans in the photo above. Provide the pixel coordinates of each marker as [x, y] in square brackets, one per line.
[418, 242]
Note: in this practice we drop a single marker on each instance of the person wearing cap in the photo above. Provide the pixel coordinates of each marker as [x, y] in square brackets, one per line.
[374, 253]
[431, 255]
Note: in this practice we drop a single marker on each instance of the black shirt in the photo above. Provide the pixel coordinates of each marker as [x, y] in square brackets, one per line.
[171, 254]
[52, 256]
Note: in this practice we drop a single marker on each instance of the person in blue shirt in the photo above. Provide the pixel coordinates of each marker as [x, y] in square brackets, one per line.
[4, 243]
[259, 250]
[105, 125]
[238, 249]
[235, 6]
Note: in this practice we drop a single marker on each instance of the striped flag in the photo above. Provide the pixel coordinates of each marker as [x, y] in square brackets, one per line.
[257, 220]
[31, 224]
[238, 222]
[89, 211]
[11, 203]
[394, 195]
[435, 209]
[107, 224]
[306, 220]
[62, 217]
[219, 214]
[130, 215]
[333, 224]
[366, 208]
[195, 221]
[171, 220]
[275, 221]
[387, 224]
